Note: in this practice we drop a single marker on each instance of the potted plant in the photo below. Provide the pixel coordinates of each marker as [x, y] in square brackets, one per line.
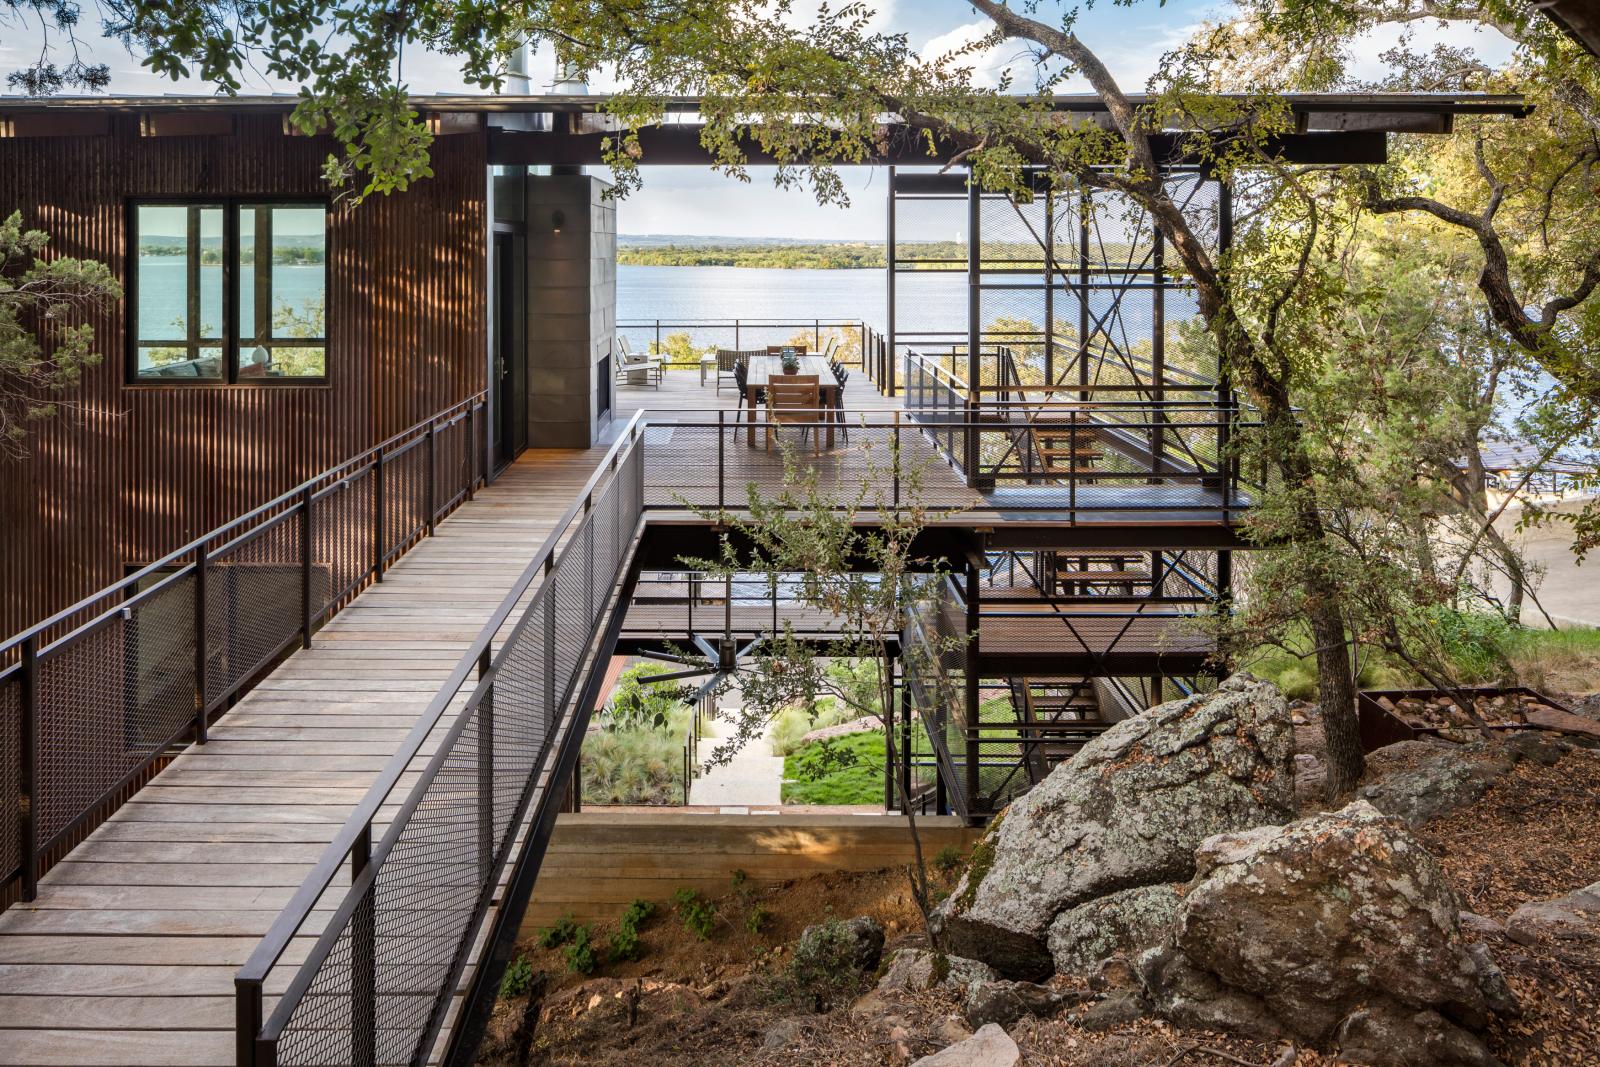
[791, 361]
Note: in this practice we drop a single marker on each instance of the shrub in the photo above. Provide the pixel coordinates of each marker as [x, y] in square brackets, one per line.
[625, 945]
[559, 934]
[1473, 641]
[794, 722]
[518, 979]
[639, 704]
[947, 860]
[635, 766]
[755, 919]
[696, 912]
[638, 911]
[831, 962]
[580, 953]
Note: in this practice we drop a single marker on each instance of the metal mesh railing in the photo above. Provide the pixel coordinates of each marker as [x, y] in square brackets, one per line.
[939, 456]
[376, 986]
[681, 342]
[96, 695]
[933, 651]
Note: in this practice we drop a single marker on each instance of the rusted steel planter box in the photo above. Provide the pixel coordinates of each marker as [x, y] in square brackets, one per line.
[1380, 727]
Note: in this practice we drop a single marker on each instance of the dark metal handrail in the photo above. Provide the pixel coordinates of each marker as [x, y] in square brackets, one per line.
[256, 1035]
[451, 415]
[740, 325]
[272, 548]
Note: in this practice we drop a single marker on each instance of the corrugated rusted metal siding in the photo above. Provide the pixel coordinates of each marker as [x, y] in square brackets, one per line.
[127, 473]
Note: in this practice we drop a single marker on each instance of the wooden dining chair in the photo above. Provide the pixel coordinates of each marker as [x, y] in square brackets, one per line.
[777, 350]
[792, 400]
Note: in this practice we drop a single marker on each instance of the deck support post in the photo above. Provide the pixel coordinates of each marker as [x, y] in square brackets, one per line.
[886, 378]
[200, 681]
[485, 772]
[471, 447]
[377, 515]
[433, 467]
[974, 749]
[905, 743]
[247, 1019]
[969, 453]
[889, 754]
[364, 960]
[28, 770]
[305, 566]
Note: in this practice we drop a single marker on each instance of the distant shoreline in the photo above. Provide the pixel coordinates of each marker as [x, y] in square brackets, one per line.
[784, 256]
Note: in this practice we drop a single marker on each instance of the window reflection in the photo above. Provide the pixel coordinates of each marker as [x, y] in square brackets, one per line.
[178, 287]
[283, 273]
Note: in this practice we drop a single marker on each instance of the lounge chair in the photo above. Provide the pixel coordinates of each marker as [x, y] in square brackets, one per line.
[638, 368]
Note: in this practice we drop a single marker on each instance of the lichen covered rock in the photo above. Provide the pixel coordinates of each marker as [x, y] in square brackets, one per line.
[919, 969]
[1418, 781]
[836, 946]
[1126, 811]
[1128, 922]
[1341, 927]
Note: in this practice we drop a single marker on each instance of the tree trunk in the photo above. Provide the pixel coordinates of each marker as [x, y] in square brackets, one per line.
[1336, 696]
[1336, 687]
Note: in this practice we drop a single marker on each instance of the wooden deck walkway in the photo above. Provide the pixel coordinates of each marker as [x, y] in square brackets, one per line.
[129, 952]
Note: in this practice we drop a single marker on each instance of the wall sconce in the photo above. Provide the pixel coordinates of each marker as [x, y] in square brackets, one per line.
[558, 219]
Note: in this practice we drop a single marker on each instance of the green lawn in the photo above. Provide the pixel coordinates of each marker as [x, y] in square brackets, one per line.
[841, 770]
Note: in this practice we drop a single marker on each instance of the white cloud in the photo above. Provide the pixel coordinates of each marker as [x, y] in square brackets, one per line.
[804, 12]
[1368, 50]
[988, 64]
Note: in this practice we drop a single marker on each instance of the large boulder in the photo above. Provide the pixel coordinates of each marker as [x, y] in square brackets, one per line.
[1128, 810]
[1340, 928]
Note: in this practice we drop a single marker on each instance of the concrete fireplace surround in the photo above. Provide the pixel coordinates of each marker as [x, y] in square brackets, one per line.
[572, 309]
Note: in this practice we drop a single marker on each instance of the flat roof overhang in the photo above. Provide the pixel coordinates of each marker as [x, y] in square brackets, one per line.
[1321, 111]
[1330, 128]
[680, 145]
[1578, 19]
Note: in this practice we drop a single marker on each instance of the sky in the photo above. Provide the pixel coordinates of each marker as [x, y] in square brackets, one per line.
[691, 200]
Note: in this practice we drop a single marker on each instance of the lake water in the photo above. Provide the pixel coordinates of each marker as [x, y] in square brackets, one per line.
[930, 301]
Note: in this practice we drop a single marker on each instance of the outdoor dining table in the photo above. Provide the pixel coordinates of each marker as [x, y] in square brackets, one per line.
[764, 367]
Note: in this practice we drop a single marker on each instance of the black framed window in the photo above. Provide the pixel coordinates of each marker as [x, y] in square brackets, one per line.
[229, 291]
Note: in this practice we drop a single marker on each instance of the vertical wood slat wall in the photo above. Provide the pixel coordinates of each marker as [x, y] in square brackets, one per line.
[127, 472]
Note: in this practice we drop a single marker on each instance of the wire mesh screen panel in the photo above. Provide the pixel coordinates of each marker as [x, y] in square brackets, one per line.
[341, 540]
[253, 602]
[405, 492]
[115, 675]
[10, 773]
[111, 700]
[380, 979]
[706, 465]
[934, 659]
[1013, 236]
